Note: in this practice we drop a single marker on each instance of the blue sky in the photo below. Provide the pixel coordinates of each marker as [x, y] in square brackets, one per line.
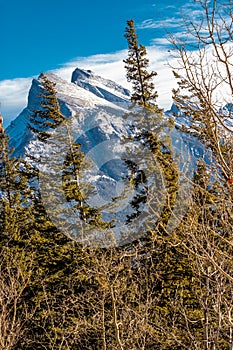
[42, 35]
[45, 35]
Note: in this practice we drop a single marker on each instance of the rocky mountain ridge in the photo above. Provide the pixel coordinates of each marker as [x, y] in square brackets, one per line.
[86, 93]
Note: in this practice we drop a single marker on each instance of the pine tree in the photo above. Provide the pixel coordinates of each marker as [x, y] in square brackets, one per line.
[16, 197]
[136, 64]
[49, 117]
[77, 193]
[65, 158]
[148, 123]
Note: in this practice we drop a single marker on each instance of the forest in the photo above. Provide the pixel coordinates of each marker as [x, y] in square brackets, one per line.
[168, 289]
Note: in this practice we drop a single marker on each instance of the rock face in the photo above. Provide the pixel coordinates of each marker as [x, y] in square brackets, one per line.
[95, 102]
[103, 88]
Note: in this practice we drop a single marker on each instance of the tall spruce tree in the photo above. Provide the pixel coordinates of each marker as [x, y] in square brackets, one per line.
[148, 123]
[136, 64]
[54, 129]
[49, 116]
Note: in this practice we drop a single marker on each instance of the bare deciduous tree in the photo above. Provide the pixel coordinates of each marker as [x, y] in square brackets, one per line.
[15, 313]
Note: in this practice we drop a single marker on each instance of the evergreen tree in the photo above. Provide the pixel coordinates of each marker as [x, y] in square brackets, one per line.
[49, 117]
[136, 65]
[54, 129]
[147, 126]
[16, 196]
[77, 193]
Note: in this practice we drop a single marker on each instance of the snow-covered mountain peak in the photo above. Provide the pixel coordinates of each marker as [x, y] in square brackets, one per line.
[103, 88]
[85, 98]
[73, 95]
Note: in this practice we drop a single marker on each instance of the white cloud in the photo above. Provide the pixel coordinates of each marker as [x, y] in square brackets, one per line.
[160, 41]
[13, 97]
[13, 93]
[168, 23]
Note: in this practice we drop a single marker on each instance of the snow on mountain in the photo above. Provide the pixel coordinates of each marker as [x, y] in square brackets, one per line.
[74, 100]
[106, 89]
[95, 108]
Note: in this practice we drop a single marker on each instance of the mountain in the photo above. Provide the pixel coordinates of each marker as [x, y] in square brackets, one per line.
[96, 109]
[87, 92]
[104, 88]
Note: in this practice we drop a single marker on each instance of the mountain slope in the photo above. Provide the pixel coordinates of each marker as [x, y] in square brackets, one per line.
[74, 100]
